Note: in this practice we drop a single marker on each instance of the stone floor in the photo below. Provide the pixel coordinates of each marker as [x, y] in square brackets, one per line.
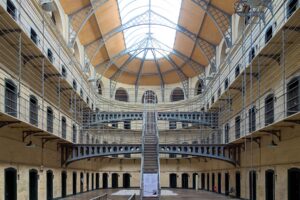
[181, 194]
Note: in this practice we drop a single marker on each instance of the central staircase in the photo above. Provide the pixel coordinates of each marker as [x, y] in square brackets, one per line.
[150, 187]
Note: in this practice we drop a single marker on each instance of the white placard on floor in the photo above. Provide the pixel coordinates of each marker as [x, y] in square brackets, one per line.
[150, 185]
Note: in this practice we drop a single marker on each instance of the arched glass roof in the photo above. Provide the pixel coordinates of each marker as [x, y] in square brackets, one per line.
[168, 9]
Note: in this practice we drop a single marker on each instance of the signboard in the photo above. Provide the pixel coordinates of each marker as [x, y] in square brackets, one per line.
[150, 185]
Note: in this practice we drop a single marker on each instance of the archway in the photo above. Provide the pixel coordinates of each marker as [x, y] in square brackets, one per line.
[252, 185]
[207, 181]
[202, 181]
[63, 184]
[87, 181]
[74, 183]
[10, 184]
[114, 180]
[270, 185]
[33, 184]
[105, 181]
[126, 180]
[93, 179]
[173, 181]
[185, 181]
[213, 182]
[294, 184]
[49, 185]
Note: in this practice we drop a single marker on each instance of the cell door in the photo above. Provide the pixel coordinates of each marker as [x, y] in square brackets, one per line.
[270, 185]
[10, 184]
[173, 181]
[252, 185]
[238, 185]
[33, 185]
[294, 184]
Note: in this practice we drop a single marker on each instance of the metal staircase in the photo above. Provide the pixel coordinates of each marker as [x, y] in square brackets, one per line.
[150, 171]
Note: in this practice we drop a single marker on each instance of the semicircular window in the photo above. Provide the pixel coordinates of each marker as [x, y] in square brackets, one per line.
[177, 95]
[121, 95]
[149, 27]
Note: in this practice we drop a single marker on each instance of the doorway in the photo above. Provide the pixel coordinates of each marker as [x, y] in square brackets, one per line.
[270, 185]
[238, 184]
[126, 180]
[173, 181]
[185, 181]
[105, 181]
[294, 184]
[63, 184]
[202, 181]
[219, 183]
[10, 184]
[93, 179]
[114, 180]
[33, 184]
[97, 181]
[207, 181]
[74, 183]
[213, 182]
[87, 181]
[195, 176]
[81, 182]
[226, 184]
[252, 185]
[49, 185]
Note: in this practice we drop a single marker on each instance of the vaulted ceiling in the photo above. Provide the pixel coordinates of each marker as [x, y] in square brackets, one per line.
[101, 29]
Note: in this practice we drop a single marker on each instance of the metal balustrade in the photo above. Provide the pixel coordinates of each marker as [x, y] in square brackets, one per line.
[227, 153]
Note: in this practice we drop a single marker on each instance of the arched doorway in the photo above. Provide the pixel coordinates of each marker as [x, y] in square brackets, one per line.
[33, 184]
[207, 181]
[97, 181]
[105, 181]
[195, 178]
[294, 184]
[114, 180]
[173, 181]
[238, 184]
[74, 183]
[81, 181]
[213, 182]
[252, 185]
[219, 183]
[270, 185]
[126, 180]
[63, 184]
[185, 181]
[49, 185]
[121, 95]
[10, 184]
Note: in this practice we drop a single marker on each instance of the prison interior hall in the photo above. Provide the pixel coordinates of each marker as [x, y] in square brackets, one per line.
[149, 99]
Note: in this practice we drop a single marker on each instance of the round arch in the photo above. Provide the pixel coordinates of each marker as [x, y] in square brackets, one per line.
[149, 97]
[199, 87]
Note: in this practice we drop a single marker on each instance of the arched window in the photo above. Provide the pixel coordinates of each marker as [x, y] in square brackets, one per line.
[149, 97]
[74, 85]
[11, 98]
[293, 97]
[121, 95]
[50, 55]
[64, 127]
[99, 87]
[237, 70]
[252, 120]
[269, 109]
[223, 53]
[56, 19]
[49, 119]
[199, 87]
[11, 9]
[251, 54]
[74, 134]
[269, 34]
[291, 7]
[237, 127]
[177, 95]
[226, 133]
[64, 71]
[33, 110]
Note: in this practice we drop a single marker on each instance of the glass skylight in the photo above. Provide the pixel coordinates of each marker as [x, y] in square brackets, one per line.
[149, 14]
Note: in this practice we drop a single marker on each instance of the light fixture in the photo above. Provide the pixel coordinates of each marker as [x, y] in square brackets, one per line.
[30, 144]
